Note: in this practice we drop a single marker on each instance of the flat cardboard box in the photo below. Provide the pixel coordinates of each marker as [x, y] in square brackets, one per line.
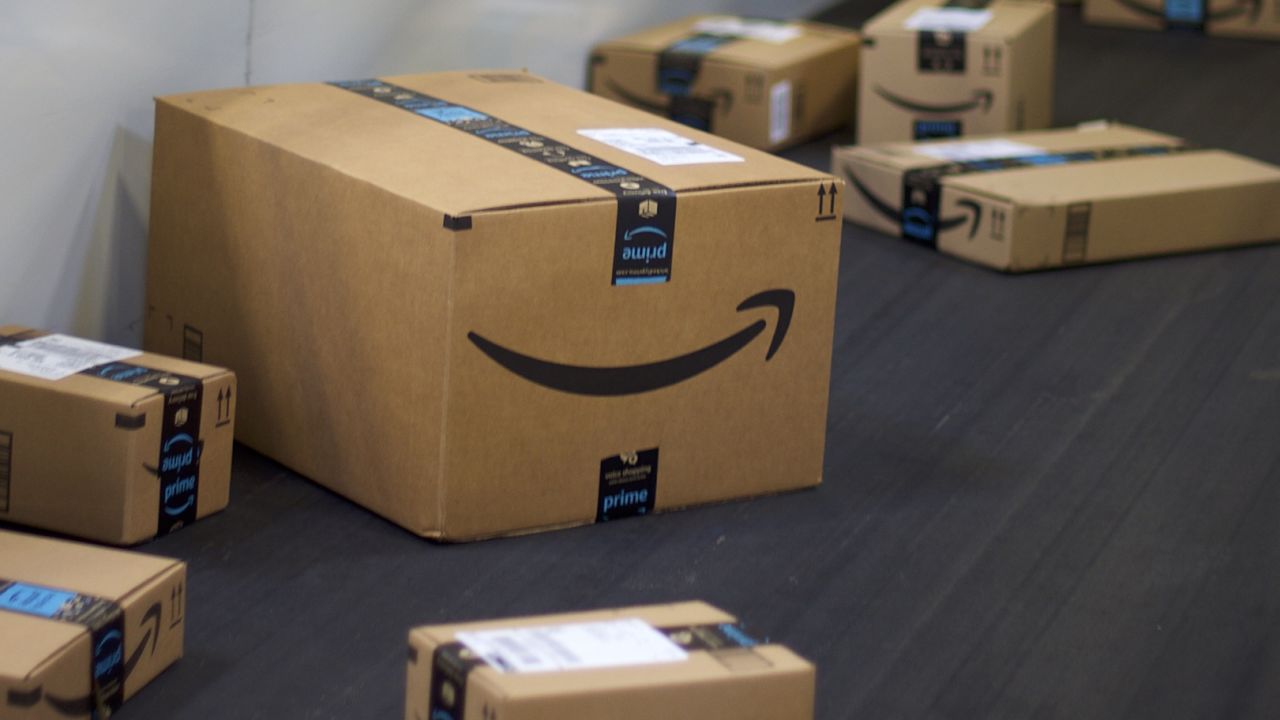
[1234, 18]
[1095, 193]
[446, 302]
[108, 443]
[764, 83]
[940, 68]
[684, 661]
[83, 627]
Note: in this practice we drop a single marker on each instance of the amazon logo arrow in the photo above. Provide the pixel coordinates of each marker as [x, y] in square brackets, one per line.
[633, 379]
[893, 215]
[981, 98]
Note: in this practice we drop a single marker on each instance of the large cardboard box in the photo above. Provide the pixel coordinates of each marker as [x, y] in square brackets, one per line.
[1094, 193]
[481, 303]
[1239, 18]
[685, 661]
[109, 443]
[942, 68]
[82, 628]
[768, 84]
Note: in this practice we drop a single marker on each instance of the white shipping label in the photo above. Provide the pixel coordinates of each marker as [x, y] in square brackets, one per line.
[976, 150]
[766, 30]
[780, 111]
[660, 146]
[573, 646]
[54, 357]
[937, 19]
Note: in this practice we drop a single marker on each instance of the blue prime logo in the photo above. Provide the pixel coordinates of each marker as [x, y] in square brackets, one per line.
[108, 655]
[645, 253]
[624, 499]
[917, 223]
[120, 372]
[441, 715]
[178, 461]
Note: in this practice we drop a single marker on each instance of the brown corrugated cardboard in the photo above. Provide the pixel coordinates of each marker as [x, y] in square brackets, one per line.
[1240, 18]
[684, 661]
[83, 628]
[1095, 193]
[109, 443]
[455, 300]
[767, 84]
[939, 68]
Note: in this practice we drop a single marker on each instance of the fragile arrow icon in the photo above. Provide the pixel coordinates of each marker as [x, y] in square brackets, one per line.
[833, 198]
[822, 198]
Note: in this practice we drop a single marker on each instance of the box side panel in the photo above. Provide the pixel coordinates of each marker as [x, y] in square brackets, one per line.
[56, 685]
[558, 374]
[1032, 56]
[65, 462]
[822, 93]
[155, 624]
[326, 295]
[1243, 18]
[899, 102]
[873, 191]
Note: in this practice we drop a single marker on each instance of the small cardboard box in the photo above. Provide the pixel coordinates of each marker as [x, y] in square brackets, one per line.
[83, 628]
[481, 303]
[1238, 18]
[763, 83]
[685, 661]
[108, 443]
[940, 68]
[1095, 193]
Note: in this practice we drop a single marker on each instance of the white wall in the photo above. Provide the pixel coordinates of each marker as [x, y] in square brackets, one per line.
[76, 113]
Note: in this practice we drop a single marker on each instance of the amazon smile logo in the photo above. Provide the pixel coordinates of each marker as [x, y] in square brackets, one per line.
[916, 220]
[981, 99]
[634, 379]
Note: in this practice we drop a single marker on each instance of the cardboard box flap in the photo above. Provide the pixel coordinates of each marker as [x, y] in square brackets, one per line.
[118, 393]
[437, 165]
[1007, 18]
[1090, 136]
[793, 41]
[1121, 178]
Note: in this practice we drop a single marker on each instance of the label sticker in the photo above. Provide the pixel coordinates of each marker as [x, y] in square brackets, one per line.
[56, 356]
[780, 111]
[948, 19]
[573, 646]
[770, 31]
[660, 146]
[628, 485]
[976, 150]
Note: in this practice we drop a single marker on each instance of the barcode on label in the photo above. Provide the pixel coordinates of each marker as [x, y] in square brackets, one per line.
[6, 468]
[572, 646]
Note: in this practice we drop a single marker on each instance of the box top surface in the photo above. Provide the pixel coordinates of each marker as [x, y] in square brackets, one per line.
[446, 167]
[75, 353]
[696, 667]
[1007, 19]
[29, 641]
[1052, 184]
[760, 43]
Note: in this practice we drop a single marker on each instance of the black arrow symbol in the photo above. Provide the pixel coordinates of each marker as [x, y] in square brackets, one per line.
[632, 379]
[833, 198]
[152, 635]
[221, 397]
[822, 198]
[981, 98]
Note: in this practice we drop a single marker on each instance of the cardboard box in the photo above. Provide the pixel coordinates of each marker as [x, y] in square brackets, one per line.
[478, 304]
[940, 68]
[82, 628]
[1095, 193]
[1237, 18]
[109, 443]
[768, 84]
[685, 661]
